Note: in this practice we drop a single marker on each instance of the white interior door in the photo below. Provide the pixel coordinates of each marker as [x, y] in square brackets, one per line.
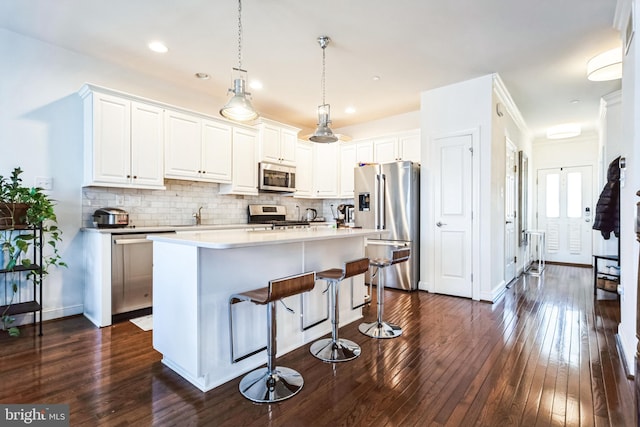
[510, 213]
[452, 214]
[565, 213]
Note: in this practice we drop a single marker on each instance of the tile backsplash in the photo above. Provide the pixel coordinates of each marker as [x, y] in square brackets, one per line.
[177, 204]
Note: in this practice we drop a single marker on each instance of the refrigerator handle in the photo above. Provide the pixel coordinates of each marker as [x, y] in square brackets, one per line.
[376, 207]
[383, 203]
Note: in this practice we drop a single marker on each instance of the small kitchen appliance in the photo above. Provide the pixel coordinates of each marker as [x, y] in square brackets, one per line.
[110, 218]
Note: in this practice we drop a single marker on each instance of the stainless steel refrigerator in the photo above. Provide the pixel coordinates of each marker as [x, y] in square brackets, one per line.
[387, 197]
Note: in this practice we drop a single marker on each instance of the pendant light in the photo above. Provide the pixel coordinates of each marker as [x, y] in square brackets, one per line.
[239, 107]
[323, 133]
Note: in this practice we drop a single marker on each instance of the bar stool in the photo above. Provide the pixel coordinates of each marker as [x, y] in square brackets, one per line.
[380, 328]
[336, 349]
[272, 383]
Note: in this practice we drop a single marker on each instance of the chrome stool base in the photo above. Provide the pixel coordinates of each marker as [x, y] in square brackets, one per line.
[380, 329]
[329, 350]
[262, 387]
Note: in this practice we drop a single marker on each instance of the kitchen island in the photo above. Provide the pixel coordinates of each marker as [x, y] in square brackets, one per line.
[195, 273]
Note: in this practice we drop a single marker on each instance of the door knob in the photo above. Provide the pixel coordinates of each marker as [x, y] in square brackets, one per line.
[440, 224]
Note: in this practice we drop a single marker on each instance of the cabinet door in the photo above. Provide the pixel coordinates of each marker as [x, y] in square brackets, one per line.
[364, 152]
[347, 163]
[245, 165]
[216, 151]
[304, 169]
[385, 150]
[288, 145]
[325, 170]
[111, 140]
[409, 147]
[270, 143]
[147, 148]
[182, 145]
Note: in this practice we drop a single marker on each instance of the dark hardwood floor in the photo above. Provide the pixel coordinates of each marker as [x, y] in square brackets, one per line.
[543, 355]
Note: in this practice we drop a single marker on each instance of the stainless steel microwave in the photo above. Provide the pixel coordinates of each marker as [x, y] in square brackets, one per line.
[274, 177]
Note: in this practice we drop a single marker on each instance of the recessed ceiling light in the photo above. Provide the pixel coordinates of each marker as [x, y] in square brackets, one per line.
[350, 110]
[575, 101]
[202, 76]
[158, 47]
[567, 130]
[255, 84]
[376, 78]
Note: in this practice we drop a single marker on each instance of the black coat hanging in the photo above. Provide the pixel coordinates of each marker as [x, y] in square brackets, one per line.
[607, 218]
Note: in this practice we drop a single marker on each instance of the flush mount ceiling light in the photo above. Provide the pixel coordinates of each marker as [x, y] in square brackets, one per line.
[239, 107]
[567, 130]
[605, 66]
[323, 132]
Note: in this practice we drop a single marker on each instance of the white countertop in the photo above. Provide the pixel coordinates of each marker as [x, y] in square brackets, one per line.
[185, 228]
[226, 239]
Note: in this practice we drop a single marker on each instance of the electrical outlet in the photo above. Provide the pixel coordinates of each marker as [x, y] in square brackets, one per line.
[44, 182]
[119, 200]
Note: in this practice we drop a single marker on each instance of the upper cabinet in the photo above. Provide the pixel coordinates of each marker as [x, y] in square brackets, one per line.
[325, 170]
[348, 161]
[397, 147]
[278, 142]
[123, 140]
[245, 163]
[197, 148]
[304, 169]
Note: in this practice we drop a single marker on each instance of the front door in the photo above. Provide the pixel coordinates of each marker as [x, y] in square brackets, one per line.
[565, 213]
[453, 221]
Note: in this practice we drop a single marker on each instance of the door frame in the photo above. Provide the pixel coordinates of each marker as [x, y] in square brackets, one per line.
[511, 147]
[427, 232]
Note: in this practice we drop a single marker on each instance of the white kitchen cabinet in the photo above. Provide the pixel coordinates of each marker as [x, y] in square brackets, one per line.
[197, 148]
[397, 147]
[364, 152]
[278, 143]
[348, 161]
[304, 169]
[123, 141]
[245, 163]
[325, 170]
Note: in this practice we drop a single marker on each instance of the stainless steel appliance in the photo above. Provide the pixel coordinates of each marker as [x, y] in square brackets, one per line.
[274, 215]
[387, 197]
[110, 218]
[276, 178]
[131, 272]
[345, 215]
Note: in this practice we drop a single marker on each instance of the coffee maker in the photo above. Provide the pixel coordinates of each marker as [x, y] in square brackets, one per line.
[345, 215]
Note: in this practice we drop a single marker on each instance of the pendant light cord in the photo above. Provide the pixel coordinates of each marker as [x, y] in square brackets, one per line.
[240, 34]
[323, 73]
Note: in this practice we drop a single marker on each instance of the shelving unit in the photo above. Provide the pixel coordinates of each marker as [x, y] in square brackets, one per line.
[21, 275]
[604, 279]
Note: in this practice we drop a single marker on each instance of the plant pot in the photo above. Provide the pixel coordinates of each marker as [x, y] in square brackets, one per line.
[13, 215]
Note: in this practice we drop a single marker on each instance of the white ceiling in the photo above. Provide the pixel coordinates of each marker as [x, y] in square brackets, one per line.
[539, 48]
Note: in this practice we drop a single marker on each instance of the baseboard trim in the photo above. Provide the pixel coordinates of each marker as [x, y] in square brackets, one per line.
[628, 372]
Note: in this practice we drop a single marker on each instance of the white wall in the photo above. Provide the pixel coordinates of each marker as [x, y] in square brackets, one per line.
[461, 107]
[631, 151]
[391, 124]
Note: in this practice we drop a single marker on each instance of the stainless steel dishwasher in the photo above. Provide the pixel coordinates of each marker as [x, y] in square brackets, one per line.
[131, 272]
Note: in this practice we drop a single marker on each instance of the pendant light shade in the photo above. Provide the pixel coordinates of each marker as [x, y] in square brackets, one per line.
[323, 132]
[239, 107]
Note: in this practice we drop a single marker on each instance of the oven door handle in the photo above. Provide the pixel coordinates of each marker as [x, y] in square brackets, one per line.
[130, 241]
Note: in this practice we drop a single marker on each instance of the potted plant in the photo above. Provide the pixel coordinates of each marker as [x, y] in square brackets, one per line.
[25, 214]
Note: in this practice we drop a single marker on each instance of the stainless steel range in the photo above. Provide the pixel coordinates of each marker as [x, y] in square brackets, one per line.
[274, 215]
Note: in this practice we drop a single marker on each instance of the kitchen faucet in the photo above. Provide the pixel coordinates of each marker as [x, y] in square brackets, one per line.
[198, 216]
